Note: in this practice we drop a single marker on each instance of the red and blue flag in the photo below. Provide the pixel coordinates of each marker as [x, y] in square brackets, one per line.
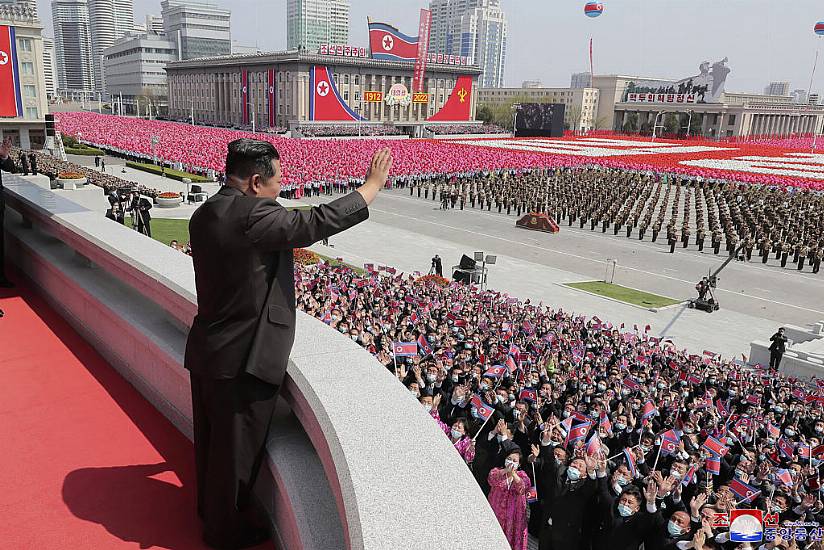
[405, 349]
[714, 465]
[630, 459]
[715, 447]
[424, 344]
[744, 492]
[483, 410]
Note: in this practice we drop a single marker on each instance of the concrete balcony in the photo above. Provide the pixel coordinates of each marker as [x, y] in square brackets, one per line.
[354, 461]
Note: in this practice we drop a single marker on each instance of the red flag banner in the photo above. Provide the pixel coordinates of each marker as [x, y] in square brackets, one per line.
[326, 103]
[244, 94]
[458, 106]
[271, 104]
[11, 103]
[423, 51]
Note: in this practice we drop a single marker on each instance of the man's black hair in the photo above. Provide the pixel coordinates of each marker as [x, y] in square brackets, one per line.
[247, 157]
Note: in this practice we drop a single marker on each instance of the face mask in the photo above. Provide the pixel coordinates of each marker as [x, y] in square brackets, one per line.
[789, 432]
[733, 393]
[674, 529]
[602, 387]
[455, 379]
[624, 510]
[646, 448]
[620, 426]
[427, 408]
[456, 400]
[566, 414]
[416, 394]
[573, 474]
[625, 392]
[819, 429]
[739, 473]
[661, 385]
[484, 386]
[516, 414]
[500, 437]
[431, 377]
[635, 406]
[623, 482]
[676, 475]
[511, 464]
[456, 434]
[779, 410]
[501, 399]
[688, 430]
[512, 397]
[343, 330]
[777, 510]
[354, 337]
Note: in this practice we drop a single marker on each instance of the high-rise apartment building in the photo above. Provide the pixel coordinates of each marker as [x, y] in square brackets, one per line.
[473, 28]
[109, 20]
[198, 29]
[310, 23]
[777, 88]
[73, 45]
[580, 80]
[49, 67]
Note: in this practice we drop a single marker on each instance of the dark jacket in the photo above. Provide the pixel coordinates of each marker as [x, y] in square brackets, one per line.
[616, 532]
[779, 343]
[244, 274]
[564, 501]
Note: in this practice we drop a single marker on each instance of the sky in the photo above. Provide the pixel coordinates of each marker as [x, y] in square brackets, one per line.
[765, 40]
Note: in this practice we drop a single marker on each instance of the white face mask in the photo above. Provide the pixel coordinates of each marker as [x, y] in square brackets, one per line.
[511, 464]
[427, 408]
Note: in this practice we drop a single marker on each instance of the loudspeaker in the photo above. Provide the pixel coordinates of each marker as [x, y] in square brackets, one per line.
[467, 262]
[460, 276]
[49, 124]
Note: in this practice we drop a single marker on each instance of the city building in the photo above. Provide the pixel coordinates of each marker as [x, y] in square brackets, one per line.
[211, 90]
[135, 71]
[49, 67]
[310, 23]
[580, 80]
[108, 20]
[472, 28]
[581, 104]
[532, 84]
[799, 96]
[813, 99]
[700, 106]
[242, 49]
[777, 88]
[25, 126]
[198, 29]
[73, 46]
[154, 24]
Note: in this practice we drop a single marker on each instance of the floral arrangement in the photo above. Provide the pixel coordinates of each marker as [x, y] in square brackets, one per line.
[70, 175]
[437, 279]
[169, 195]
[305, 257]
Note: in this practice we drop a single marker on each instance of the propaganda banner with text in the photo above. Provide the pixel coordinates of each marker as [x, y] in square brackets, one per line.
[423, 50]
[11, 103]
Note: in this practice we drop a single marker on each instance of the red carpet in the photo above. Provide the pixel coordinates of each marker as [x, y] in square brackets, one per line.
[87, 462]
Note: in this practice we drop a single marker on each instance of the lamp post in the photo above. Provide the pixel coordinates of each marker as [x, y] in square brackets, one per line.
[689, 121]
[155, 141]
[655, 124]
[516, 108]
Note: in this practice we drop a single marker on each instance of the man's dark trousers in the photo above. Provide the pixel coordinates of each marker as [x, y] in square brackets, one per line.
[775, 359]
[237, 410]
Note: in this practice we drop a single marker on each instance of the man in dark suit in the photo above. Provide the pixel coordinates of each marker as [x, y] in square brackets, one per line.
[239, 344]
[7, 164]
[140, 211]
[777, 348]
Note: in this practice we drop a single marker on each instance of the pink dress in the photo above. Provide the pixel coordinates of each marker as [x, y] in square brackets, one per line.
[463, 445]
[508, 501]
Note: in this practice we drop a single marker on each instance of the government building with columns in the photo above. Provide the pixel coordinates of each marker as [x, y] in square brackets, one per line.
[280, 85]
[628, 103]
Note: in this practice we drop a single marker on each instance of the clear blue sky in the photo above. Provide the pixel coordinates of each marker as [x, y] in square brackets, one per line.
[765, 40]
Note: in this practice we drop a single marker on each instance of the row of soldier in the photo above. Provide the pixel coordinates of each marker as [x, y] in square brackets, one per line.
[741, 218]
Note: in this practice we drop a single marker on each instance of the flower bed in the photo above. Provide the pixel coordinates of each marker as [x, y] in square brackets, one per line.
[169, 200]
[305, 257]
[436, 279]
[70, 176]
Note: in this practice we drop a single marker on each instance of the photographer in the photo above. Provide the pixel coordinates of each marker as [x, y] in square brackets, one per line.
[437, 266]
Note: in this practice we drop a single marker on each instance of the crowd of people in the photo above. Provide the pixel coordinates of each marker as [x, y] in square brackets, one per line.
[454, 129]
[348, 130]
[585, 434]
[682, 211]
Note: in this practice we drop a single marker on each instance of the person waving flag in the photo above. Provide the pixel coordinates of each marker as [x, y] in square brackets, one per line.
[424, 344]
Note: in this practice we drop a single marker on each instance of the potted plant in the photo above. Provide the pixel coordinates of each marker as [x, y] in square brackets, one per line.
[169, 199]
[70, 180]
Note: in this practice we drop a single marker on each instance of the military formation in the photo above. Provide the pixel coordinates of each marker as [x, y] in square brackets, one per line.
[748, 221]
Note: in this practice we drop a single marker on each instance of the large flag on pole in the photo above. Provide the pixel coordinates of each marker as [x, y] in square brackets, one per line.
[387, 43]
[423, 50]
[11, 102]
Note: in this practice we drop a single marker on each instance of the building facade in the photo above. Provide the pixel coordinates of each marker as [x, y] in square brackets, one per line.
[73, 45]
[135, 69]
[472, 28]
[727, 115]
[581, 104]
[580, 80]
[109, 20]
[211, 90]
[310, 23]
[49, 67]
[777, 88]
[27, 129]
[198, 29]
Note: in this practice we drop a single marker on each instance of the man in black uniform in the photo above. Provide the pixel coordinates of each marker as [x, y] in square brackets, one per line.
[241, 337]
[7, 164]
[777, 348]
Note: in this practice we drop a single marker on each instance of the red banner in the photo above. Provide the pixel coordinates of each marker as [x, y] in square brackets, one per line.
[326, 102]
[459, 105]
[244, 94]
[270, 98]
[423, 50]
[11, 103]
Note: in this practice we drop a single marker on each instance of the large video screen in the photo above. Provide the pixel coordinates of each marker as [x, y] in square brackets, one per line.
[540, 119]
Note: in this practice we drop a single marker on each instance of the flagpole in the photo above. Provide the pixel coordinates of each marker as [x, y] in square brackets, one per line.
[655, 466]
[535, 481]
[482, 426]
[621, 453]
[395, 361]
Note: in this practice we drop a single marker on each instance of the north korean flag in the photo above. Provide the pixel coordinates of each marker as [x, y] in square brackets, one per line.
[715, 447]
[631, 384]
[689, 477]
[630, 459]
[510, 364]
[483, 410]
[579, 432]
[327, 104]
[528, 394]
[603, 422]
[405, 349]
[649, 411]
[11, 104]
[785, 447]
[594, 445]
[669, 443]
[773, 430]
[783, 475]
[714, 465]
[424, 344]
[722, 407]
[744, 492]
[805, 452]
[799, 393]
[495, 372]
[532, 495]
[387, 43]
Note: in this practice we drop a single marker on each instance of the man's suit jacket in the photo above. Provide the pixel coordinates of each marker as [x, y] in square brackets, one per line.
[8, 166]
[244, 273]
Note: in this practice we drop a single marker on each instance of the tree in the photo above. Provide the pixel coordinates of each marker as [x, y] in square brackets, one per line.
[631, 123]
[671, 124]
[485, 114]
[574, 118]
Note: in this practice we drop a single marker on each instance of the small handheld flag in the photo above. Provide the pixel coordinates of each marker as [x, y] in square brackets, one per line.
[630, 458]
[714, 465]
[405, 349]
[594, 445]
[743, 491]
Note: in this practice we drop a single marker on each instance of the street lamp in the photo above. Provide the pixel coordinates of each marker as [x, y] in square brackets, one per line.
[655, 124]
[689, 121]
[516, 108]
[155, 141]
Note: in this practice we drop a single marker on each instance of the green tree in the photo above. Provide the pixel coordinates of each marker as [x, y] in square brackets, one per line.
[485, 114]
[671, 125]
[631, 123]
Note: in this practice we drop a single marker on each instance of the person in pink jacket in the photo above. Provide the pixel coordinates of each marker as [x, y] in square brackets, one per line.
[507, 497]
[456, 433]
